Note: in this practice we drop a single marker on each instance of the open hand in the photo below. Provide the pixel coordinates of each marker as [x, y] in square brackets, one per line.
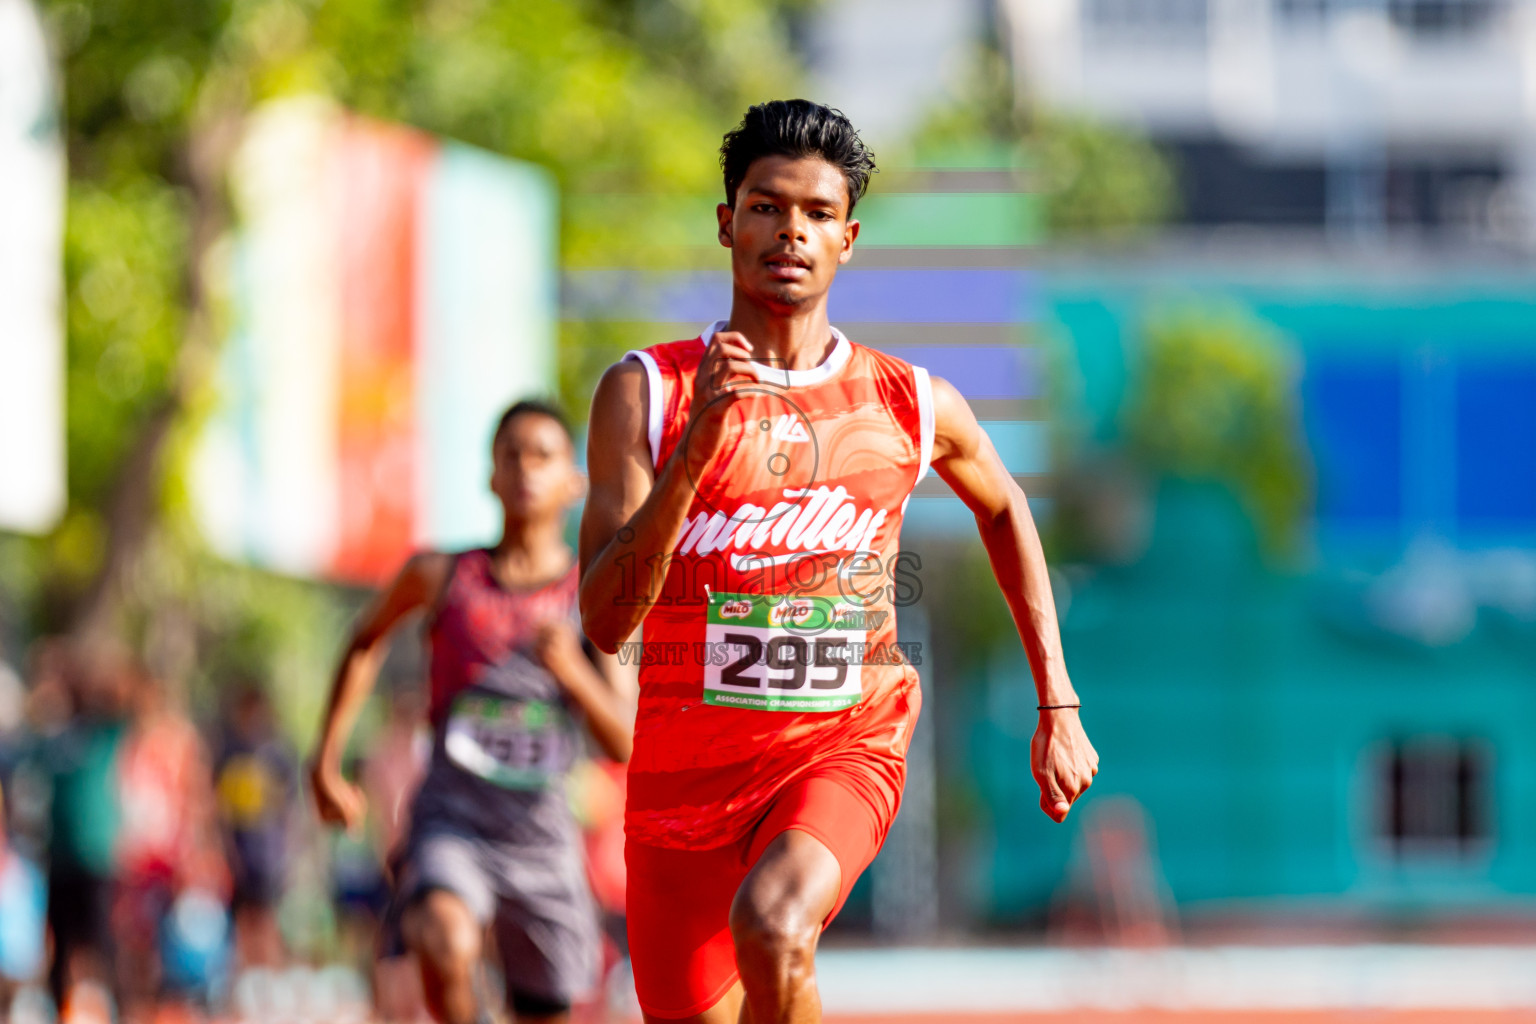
[1063, 760]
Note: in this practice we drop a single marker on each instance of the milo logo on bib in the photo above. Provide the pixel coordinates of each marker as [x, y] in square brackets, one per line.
[774, 653]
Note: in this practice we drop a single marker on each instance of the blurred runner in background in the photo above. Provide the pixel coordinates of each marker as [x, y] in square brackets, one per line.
[492, 837]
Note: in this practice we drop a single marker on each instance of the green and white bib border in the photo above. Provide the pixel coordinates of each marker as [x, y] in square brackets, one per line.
[515, 744]
[773, 652]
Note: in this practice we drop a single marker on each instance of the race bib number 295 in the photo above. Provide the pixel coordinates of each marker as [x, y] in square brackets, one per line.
[775, 653]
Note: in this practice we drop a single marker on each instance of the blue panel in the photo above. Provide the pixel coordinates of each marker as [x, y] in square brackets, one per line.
[1354, 423]
[969, 296]
[1024, 446]
[938, 515]
[944, 515]
[978, 371]
[900, 295]
[1496, 446]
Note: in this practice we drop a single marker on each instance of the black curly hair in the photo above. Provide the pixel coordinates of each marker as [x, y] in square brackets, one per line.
[797, 128]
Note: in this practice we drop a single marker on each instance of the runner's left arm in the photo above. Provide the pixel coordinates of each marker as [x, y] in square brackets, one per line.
[1063, 760]
[599, 690]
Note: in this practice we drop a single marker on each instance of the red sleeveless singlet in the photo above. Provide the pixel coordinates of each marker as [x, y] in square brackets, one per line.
[772, 650]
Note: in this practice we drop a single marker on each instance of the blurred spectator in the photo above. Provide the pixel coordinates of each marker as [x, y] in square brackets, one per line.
[13, 707]
[169, 852]
[256, 778]
[23, 905]
[86, 697]
[1115, 892]
[360, 886]
[390, 776]
[393, 771]
[28, 752]
[598, 791]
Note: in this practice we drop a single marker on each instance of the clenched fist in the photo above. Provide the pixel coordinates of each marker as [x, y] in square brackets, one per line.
[1063, 760]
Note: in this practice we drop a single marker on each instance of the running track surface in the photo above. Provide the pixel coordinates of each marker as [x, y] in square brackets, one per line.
[1207, 1017]
[1201, 1017]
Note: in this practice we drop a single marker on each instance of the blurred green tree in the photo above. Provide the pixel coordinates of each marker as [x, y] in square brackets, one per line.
[1098, 180]
[1215, 398]
[1091, 178]
[613, 95]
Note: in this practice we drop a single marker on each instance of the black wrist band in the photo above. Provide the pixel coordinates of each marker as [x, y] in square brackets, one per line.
[1055, 707]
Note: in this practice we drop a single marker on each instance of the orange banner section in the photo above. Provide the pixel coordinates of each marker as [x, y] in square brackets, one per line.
[381, 169]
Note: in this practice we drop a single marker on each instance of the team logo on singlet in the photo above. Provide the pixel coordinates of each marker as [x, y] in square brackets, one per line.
[808, 521]
[789, 428]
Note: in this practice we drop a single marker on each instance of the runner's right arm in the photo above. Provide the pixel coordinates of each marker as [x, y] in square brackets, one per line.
[634, 513]
[417, 586]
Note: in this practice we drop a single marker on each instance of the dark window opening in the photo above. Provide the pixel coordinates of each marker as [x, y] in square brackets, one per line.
[1436, 797]
[1221, 182]
[1442, 17]
[1146, 22]
[1416, 18]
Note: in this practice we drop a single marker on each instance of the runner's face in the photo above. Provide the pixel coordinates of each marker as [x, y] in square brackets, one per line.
[789, 229]
[533, 468]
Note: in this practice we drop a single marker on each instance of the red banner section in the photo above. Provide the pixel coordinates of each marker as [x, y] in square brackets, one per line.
[381, 170]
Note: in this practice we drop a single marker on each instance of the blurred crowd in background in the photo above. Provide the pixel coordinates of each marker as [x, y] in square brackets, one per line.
[154, 866]
[157, 850]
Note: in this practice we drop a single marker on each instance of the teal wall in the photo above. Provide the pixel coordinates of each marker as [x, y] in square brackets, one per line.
[1239, 704]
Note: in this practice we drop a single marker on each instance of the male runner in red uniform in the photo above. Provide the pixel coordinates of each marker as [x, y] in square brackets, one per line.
[747, 489]
[492, 838]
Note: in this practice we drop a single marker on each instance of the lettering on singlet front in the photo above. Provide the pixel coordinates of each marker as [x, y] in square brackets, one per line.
[780, 653]
[516, 744]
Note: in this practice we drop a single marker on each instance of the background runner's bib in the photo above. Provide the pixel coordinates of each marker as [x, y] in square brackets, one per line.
[513, 742]
[504, 737]
[783, 653]
[771, 650]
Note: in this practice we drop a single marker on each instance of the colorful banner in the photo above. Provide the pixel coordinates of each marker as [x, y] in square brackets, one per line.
[392, 296]
[31, 278]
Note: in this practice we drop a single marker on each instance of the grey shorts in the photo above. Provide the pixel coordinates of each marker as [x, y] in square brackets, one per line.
[539, 902]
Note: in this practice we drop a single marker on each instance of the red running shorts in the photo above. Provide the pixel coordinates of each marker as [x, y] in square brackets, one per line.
[680, 900]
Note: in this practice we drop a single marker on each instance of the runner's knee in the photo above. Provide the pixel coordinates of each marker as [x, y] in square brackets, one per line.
[444, 933]
[775, 923]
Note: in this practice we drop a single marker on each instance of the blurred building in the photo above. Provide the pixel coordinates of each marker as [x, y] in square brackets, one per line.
[1361, 116]
[888, 63]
